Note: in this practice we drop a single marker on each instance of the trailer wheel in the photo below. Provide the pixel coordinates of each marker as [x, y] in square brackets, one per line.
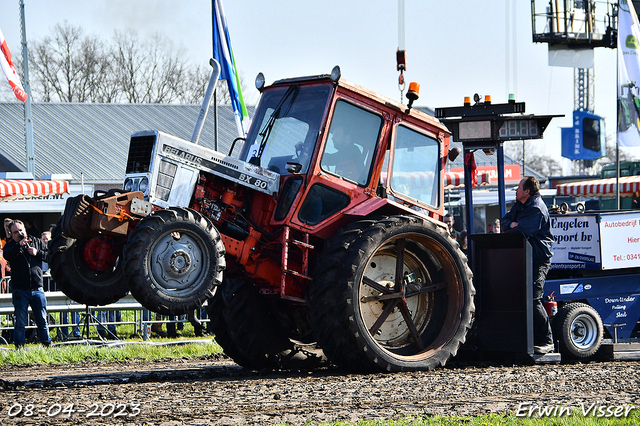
[77, 279]
[260, 340]
[173, 261]
[391, 294]
[578, 328]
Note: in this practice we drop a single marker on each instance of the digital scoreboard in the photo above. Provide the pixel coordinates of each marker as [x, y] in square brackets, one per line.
[509, 130]
[477, 125]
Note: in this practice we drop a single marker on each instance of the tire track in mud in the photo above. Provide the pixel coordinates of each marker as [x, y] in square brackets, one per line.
[216, 391]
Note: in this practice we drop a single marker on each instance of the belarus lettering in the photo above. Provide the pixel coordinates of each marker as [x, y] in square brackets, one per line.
[182, 154]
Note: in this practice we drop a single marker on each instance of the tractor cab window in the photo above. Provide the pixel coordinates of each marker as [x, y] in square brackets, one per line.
[351, 143]
[286, 126]
[415, 171]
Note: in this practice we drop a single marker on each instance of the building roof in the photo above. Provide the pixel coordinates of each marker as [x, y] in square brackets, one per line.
[91, 141]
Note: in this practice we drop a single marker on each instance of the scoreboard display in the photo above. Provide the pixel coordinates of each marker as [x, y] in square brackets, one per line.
[485, 124]
[498, 129]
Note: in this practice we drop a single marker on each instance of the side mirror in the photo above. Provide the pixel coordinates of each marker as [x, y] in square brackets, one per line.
[293, 168]
[453, 153]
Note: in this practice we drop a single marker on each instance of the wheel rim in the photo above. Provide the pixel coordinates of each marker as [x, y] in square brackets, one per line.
[179, 261]
[584, 331]
[416, 311]
[96, 278]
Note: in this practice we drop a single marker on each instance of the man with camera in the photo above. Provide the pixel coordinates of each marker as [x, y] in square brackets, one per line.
[25, 255]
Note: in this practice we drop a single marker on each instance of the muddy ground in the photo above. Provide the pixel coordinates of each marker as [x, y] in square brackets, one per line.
[217, 391]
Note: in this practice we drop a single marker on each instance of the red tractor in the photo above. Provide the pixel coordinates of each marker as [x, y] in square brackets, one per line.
[323, 229]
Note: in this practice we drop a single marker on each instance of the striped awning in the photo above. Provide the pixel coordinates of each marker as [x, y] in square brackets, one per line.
[19, 189]
[629, 187]
[425, 179]
[456, 179]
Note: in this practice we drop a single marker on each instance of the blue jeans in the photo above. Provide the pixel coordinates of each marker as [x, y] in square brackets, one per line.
[22, 299]
[542, 334]
[108, 316]
[64, 319]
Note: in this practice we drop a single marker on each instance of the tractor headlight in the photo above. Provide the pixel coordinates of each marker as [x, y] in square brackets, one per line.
[144, 185]
[128, 185]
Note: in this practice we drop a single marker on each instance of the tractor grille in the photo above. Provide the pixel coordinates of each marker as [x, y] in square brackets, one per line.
[165, 179]
[140, 151]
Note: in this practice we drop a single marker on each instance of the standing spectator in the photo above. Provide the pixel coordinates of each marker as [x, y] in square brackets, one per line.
[25, 256]
[462, 240]
[7, 231]
[530, 217]
[449, 221]
[5, 271]
[109, 317]
[45, 237]
[64, 316]
[75, 330]
[495, 226]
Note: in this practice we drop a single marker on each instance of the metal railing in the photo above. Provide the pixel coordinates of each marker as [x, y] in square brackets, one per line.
[58, 302]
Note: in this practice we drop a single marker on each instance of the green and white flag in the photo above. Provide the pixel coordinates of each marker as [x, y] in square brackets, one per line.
[628, 75]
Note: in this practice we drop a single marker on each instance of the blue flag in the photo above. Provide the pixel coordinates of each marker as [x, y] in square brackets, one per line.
[223, 53]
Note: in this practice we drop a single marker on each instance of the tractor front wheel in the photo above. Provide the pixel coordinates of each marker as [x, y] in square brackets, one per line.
[174, 260]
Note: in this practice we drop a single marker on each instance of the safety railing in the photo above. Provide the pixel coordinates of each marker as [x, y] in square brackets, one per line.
[58, 302]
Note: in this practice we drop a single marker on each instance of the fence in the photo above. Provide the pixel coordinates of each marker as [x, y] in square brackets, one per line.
[59, 303]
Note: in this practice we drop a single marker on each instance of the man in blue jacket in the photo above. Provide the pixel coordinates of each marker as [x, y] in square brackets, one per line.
[25, 255]
[529, 216]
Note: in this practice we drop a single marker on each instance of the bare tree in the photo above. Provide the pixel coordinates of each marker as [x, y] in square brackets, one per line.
[69, 66]
[611, 154]
[534, 159]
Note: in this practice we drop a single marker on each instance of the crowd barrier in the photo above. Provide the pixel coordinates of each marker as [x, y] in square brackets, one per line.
[58, 303]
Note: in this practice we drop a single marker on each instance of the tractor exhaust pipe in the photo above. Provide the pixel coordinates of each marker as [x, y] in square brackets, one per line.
[207, 100]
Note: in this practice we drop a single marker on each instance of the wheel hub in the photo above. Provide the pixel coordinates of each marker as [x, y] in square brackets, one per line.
[583, 331]
[381, 269]
[177, 262]
[180, 261]
[99, 254]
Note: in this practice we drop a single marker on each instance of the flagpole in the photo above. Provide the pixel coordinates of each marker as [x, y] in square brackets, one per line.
[223, 53]
[215, 90]
[618, 95]
[28, 124]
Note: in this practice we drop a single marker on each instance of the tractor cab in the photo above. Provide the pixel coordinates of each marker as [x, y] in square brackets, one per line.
[343, 151]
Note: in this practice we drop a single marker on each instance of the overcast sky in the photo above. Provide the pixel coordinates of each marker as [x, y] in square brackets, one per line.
[454, 48]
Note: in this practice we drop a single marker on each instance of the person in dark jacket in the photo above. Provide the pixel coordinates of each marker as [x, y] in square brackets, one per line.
[25, 255]
[5, 272]
[530, 217]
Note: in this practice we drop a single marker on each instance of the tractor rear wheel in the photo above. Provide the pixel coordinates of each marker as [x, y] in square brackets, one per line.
[391, 294]
[220, 330]
[254, 336]
[173, 261]
[79, 279]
